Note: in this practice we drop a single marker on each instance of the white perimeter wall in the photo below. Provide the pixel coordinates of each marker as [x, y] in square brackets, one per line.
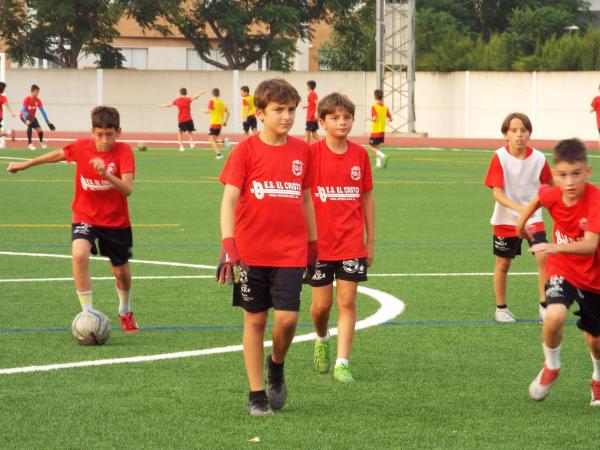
[458, 104]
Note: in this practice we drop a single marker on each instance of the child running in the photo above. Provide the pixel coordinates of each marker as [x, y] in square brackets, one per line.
[185, 123]
[573, 264]
[248, 111]
[103, 181]
[312, 120]
[269, 233]
[4, 102]
[218, 119]
[514, 174]
[380, 114]
[345, 213]
[30, 106]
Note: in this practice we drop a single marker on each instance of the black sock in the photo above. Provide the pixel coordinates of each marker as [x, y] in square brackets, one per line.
[543, 304]
[501, 306]
[29, 134]
[41, 136]
[257, 395]
[275, 369]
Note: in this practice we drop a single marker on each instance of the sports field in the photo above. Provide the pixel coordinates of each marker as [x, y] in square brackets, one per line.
[442, 374]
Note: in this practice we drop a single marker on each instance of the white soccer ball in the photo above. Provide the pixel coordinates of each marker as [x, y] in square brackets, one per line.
[91, 328]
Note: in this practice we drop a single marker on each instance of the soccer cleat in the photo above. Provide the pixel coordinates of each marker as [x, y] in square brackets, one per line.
[181, 149]
[219, 156]
[31, 147]
[277, 390]
[259, 407]
[227, 143]
[386, 159]
[321, 356]
[504, 315]
[43, 145]
[342, 373]
[128, 323]
[541, 384]
[595, 393]
[542, 314]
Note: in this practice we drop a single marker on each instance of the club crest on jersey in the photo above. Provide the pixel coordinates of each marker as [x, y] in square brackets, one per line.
[297, 167]
[355, 173]
[111, 168]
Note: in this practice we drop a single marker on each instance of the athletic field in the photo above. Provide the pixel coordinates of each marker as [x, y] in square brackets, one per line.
[434, 370]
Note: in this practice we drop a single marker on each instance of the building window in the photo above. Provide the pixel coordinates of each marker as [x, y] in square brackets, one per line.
[135, 58]
[194, 62]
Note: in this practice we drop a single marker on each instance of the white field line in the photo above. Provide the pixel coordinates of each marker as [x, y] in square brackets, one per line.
[390, 307]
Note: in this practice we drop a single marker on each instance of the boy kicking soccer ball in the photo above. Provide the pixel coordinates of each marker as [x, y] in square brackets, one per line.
[345, 210]
[104, 180]
[269, 233]
[573, 263]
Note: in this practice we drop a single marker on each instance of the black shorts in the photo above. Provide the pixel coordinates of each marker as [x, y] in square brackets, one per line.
[34, 123]
[214, 131]
[186, 126]
[559, 290]
[261, 288]
[348, 270]
[250, 122]
[376, 140]
[509, 247]
[114, 243]
[311, 126]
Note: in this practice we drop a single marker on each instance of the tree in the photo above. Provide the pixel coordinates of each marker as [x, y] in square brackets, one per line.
[245, 30]
[59, 31]
[352, 42]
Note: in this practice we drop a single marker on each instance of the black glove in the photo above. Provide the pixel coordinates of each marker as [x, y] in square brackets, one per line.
[51, 126]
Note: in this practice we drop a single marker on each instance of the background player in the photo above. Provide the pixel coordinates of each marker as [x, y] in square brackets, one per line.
[30, 106]
[595, 107]
[380, 114]
[514, 174]
[312, 120]
[573, 264]
[218, 119]
[184, 116]
[267, 218]
[4, 102]
[248, 111]
[104, 180]
[343, 221]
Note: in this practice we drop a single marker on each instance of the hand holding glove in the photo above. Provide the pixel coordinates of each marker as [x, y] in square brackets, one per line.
[230, 260]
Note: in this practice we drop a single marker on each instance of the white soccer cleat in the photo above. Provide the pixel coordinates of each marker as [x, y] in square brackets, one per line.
[31, 147]
[541, 384]
[181, 149]
[44, 145]
[595, 393]
[542, 314]
[219, 156]
[504, 315]
[192, 145]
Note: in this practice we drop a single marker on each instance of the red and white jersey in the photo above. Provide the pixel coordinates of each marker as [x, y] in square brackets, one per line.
[96, 201]
[341, 180]
[31, 105]
[184, 113]
[520, 180]
[570, 224]
[270, 228]
[3, 101]
[311, 107]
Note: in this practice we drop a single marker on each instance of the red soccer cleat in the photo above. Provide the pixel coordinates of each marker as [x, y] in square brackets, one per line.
[540, 386]
[128, 323]
[595, 393]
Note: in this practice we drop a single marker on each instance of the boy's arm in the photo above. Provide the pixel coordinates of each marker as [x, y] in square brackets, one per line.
[166, 105]
[50, 157]
[226, 117]
[231, 195]
[124, 184]
[501, 198]
[10, 109]
[197, 96]
[368, 203]
[587, 246]
[230, 258]
[526, 213]
[309, 214]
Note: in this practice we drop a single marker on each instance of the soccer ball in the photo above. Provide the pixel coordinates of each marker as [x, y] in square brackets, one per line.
[142, 147]
[91, 328]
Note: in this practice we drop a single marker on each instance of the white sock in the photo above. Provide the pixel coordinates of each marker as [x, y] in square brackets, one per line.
[378, 161]
[596, 374]
[380, 154]
[85, 300]
[324, 338]
[124, 306]
[340, 361]
[552, 356]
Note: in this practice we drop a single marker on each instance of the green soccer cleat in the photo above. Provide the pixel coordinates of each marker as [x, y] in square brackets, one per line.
[386, 160]
[321, 358]
[342, 373]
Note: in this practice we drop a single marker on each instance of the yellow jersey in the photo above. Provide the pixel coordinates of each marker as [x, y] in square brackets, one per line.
[217, 112]
[248, 108]
[379, 114]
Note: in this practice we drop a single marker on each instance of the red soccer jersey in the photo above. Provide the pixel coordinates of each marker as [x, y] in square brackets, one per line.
[570, 223]
[596, 106]
[3, 101]
[270, 229]
[311, 107]
[96, 201]
[32, 105]
[184, 109]
[341, 180]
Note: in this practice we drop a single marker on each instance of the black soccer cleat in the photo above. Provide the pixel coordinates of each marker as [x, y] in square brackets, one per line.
[277, 390]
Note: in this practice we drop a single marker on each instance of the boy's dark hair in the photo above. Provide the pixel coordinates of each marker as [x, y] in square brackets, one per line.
[570, 151]
[516, 115]
[106, 117]
[246, 89]
[378, 94]
[312, 84]
[216, 92]
[183, 91]
[2, 86]
[35, 87]
[329, 103]
[275, 90]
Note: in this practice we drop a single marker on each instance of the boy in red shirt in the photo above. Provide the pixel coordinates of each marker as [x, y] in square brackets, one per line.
[184, 116]
[104, 180]
[345, 210]
[595, 107]
[4, 101]
[30, 106]
[573, 263]
[312, 121]
[269, 235]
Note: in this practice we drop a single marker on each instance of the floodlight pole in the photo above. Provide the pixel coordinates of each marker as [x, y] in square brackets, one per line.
[395, 65]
